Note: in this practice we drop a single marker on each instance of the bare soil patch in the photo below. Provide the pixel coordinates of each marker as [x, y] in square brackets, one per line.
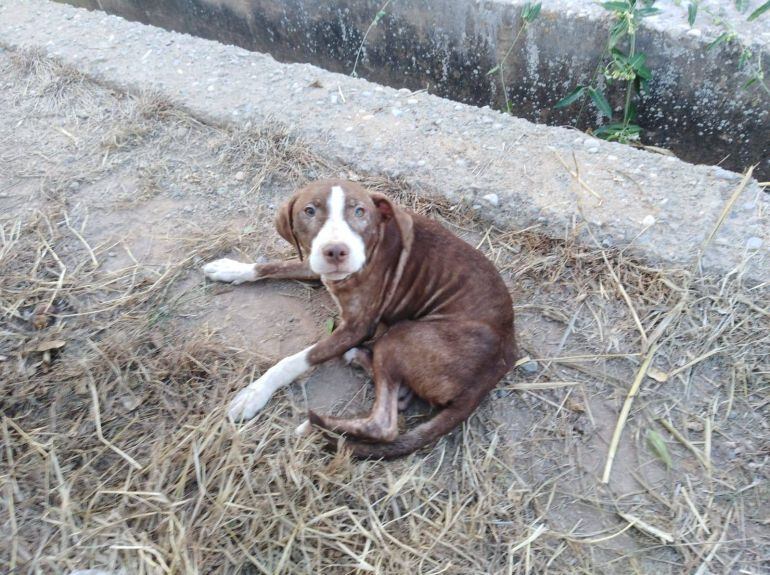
[117, 360]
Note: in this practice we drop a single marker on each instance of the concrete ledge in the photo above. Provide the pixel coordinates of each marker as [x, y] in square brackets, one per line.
[694, 105]
[511, 169]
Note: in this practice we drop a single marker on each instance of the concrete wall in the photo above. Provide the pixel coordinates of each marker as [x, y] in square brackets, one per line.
[695, 105]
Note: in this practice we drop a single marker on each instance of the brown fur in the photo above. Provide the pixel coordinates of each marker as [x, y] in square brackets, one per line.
[447, 314]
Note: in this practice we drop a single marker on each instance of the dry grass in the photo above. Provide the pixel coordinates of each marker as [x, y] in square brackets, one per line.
[116, 453]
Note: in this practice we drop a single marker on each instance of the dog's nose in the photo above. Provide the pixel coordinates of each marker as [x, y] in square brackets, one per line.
[335, 253]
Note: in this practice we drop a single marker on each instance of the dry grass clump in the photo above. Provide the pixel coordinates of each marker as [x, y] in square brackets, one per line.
[256, 154]
[57, 81]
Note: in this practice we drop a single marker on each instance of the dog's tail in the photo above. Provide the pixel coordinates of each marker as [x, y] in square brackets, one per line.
[440, 424]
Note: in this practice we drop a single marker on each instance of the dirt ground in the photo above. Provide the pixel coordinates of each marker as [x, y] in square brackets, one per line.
[117, 360]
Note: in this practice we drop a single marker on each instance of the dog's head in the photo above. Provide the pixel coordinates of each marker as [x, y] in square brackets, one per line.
[338, 224]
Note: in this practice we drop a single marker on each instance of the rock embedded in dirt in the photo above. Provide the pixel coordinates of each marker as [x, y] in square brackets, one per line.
[530, 367]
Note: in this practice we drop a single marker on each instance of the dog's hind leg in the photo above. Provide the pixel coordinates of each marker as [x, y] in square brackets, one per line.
[380, 425]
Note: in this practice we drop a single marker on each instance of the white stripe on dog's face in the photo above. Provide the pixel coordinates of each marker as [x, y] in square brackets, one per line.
[336, 231]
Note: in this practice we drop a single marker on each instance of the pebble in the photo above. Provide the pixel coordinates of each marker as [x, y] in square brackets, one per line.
[593, 150]
[240, 176]
[412, 101]
[396, 112]
[530, 367]
[694, 32]
[492, 199]
[753, 243]
[648, 221]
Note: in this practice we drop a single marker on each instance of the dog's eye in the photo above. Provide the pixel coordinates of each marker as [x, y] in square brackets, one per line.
[359, 212]
[310, 211]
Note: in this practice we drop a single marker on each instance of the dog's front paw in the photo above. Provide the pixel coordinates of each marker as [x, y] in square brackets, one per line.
[247, 403]
[231, 271]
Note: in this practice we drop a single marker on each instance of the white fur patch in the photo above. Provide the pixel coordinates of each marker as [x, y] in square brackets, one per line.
[255, 396]
[231, 271]
[337, 231]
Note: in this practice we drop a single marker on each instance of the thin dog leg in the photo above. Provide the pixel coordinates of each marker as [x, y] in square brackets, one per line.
[380, 425]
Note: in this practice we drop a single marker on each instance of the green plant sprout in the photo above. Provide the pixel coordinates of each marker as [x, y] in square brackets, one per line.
[619, 65]
[377, 17]
[748, 60]
[529, 14]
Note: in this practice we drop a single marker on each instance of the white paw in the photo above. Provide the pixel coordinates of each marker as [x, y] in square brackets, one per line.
[303, 428]
[227, 270]
[350, 355]
[247, 403]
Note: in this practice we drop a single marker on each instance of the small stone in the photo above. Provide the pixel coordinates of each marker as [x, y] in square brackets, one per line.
[187, 209]
[492, 199]
[458, 107]
[421, 162]
[74, 185]
[593, 150]
[396, 112]
[412, 101]
[530, 367]
[240, 176]
[648, 221]
[753, 243]
[111, 254]
[694, 32]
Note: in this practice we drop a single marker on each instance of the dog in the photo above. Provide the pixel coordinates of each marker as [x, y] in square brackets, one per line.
[424, 312]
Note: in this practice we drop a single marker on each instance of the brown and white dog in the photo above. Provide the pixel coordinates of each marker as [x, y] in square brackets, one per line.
[447, 314]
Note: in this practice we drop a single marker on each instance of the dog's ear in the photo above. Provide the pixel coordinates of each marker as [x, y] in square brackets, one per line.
[390, 211]
[284, 223]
